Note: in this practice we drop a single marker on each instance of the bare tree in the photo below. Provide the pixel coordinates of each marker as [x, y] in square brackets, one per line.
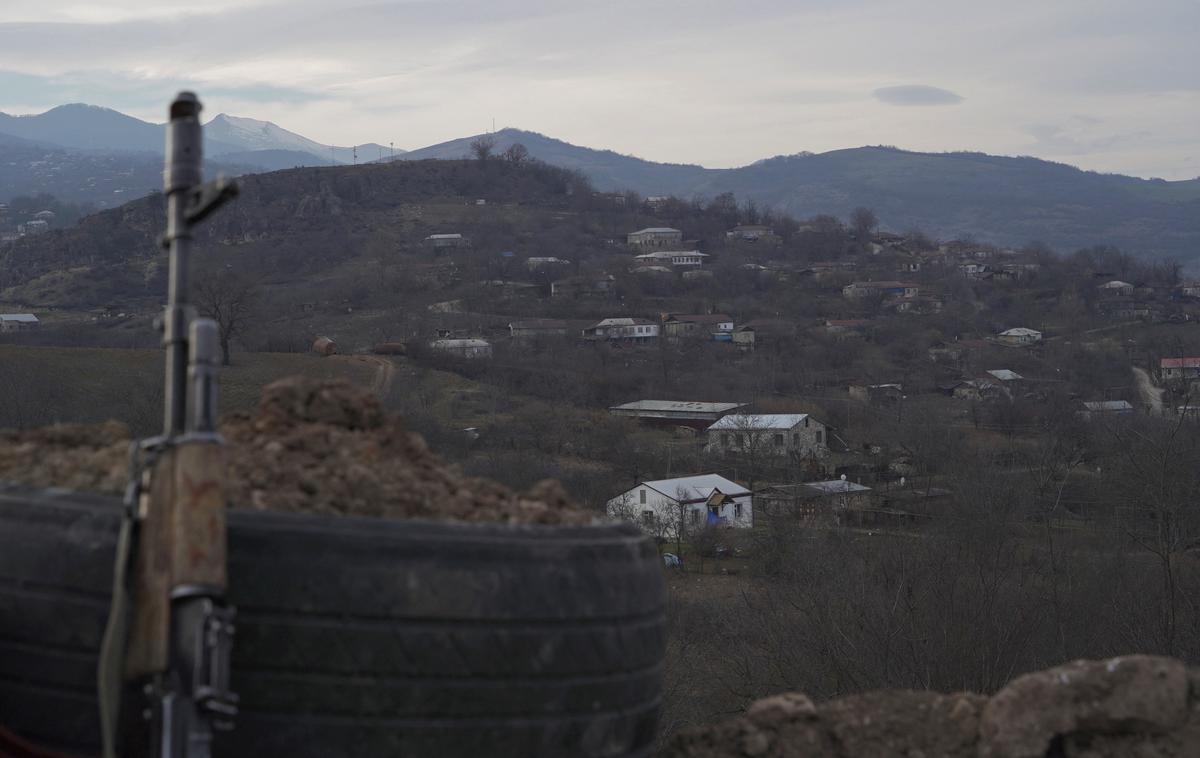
[516, 154]
[483, 148]
[229, 300]
[864, 222]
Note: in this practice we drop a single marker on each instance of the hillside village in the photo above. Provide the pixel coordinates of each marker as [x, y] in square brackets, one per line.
[714, 326]
[865, 454]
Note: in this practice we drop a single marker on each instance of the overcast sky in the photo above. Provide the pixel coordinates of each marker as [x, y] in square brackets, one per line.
[1110, 85]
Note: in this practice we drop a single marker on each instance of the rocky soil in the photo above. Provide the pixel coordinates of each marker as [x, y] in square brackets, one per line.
[1131, 707]
[316, 447]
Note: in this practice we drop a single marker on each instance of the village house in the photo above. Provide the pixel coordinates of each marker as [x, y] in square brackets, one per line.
[1105, 408]
[446, 241]
[1005, 375]
[877, 394]
[1127, 308]
[698, 416]
[36, 226]
[751, 233]
[671, 508]
[704, 325]
[16, 322]
[658, 237]
[763, 331]
[671, 257]
[1116, 288]
[1171, 368]
[775, 434]
[463, 348]
[537, 327]
[1019, 336]
[623, 329]
[537, 263]
[980, 390]
[880, 289]
[826, 503]
[1190, 289]
[973, 270]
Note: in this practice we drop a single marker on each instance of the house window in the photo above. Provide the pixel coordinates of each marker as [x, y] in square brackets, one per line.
[724, 439]
[796, 439]
[737, 510]
[647, 517]
[694, 517]
[820, 441]
[642, 495]
[779, 440]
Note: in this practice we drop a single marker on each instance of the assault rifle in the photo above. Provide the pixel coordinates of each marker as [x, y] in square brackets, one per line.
[164, 670]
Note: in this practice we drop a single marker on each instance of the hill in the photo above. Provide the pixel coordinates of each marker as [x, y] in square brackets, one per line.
[606, 169]
[1007, 201]
[297, 225]
[249, 137]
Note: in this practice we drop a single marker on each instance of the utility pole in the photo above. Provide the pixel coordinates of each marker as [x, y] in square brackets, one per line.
[165, 657]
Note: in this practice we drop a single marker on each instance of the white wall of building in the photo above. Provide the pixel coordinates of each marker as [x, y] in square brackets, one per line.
[659, 514]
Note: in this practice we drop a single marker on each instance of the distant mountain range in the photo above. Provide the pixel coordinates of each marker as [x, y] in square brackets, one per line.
[1009, 201]
[89, 127]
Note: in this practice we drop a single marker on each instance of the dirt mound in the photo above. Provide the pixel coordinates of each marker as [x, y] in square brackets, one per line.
[318, 447]
[1133, 706]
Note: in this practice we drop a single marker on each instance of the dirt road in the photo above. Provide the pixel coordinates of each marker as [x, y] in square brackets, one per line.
[385, 373]
[1152, 396]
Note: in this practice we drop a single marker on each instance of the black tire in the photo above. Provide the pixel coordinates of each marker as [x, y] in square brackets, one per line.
[359, 637]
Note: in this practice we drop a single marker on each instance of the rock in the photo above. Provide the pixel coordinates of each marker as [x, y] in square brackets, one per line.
[1134, 694]
[905, 723]
[787, 705]
[782, 726]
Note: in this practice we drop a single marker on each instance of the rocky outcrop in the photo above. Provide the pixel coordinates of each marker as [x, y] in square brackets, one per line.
[1138, 706]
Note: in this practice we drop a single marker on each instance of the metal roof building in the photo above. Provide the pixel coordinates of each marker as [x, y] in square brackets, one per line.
[676, 412]
[760, 421]
[690, 489]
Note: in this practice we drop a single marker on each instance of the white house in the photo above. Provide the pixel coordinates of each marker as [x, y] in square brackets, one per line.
[690, 503]
[440, 241]
[655, 237]
[1116, 287]
[1020, 336]
[795, 434]
[635, 329]
[13, 322]
[673, 257]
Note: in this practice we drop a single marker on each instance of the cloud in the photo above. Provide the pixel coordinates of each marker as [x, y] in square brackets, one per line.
[916, 94]
[134, 93]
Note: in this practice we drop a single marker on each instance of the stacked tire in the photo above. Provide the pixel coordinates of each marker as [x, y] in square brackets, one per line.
[360, 637]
